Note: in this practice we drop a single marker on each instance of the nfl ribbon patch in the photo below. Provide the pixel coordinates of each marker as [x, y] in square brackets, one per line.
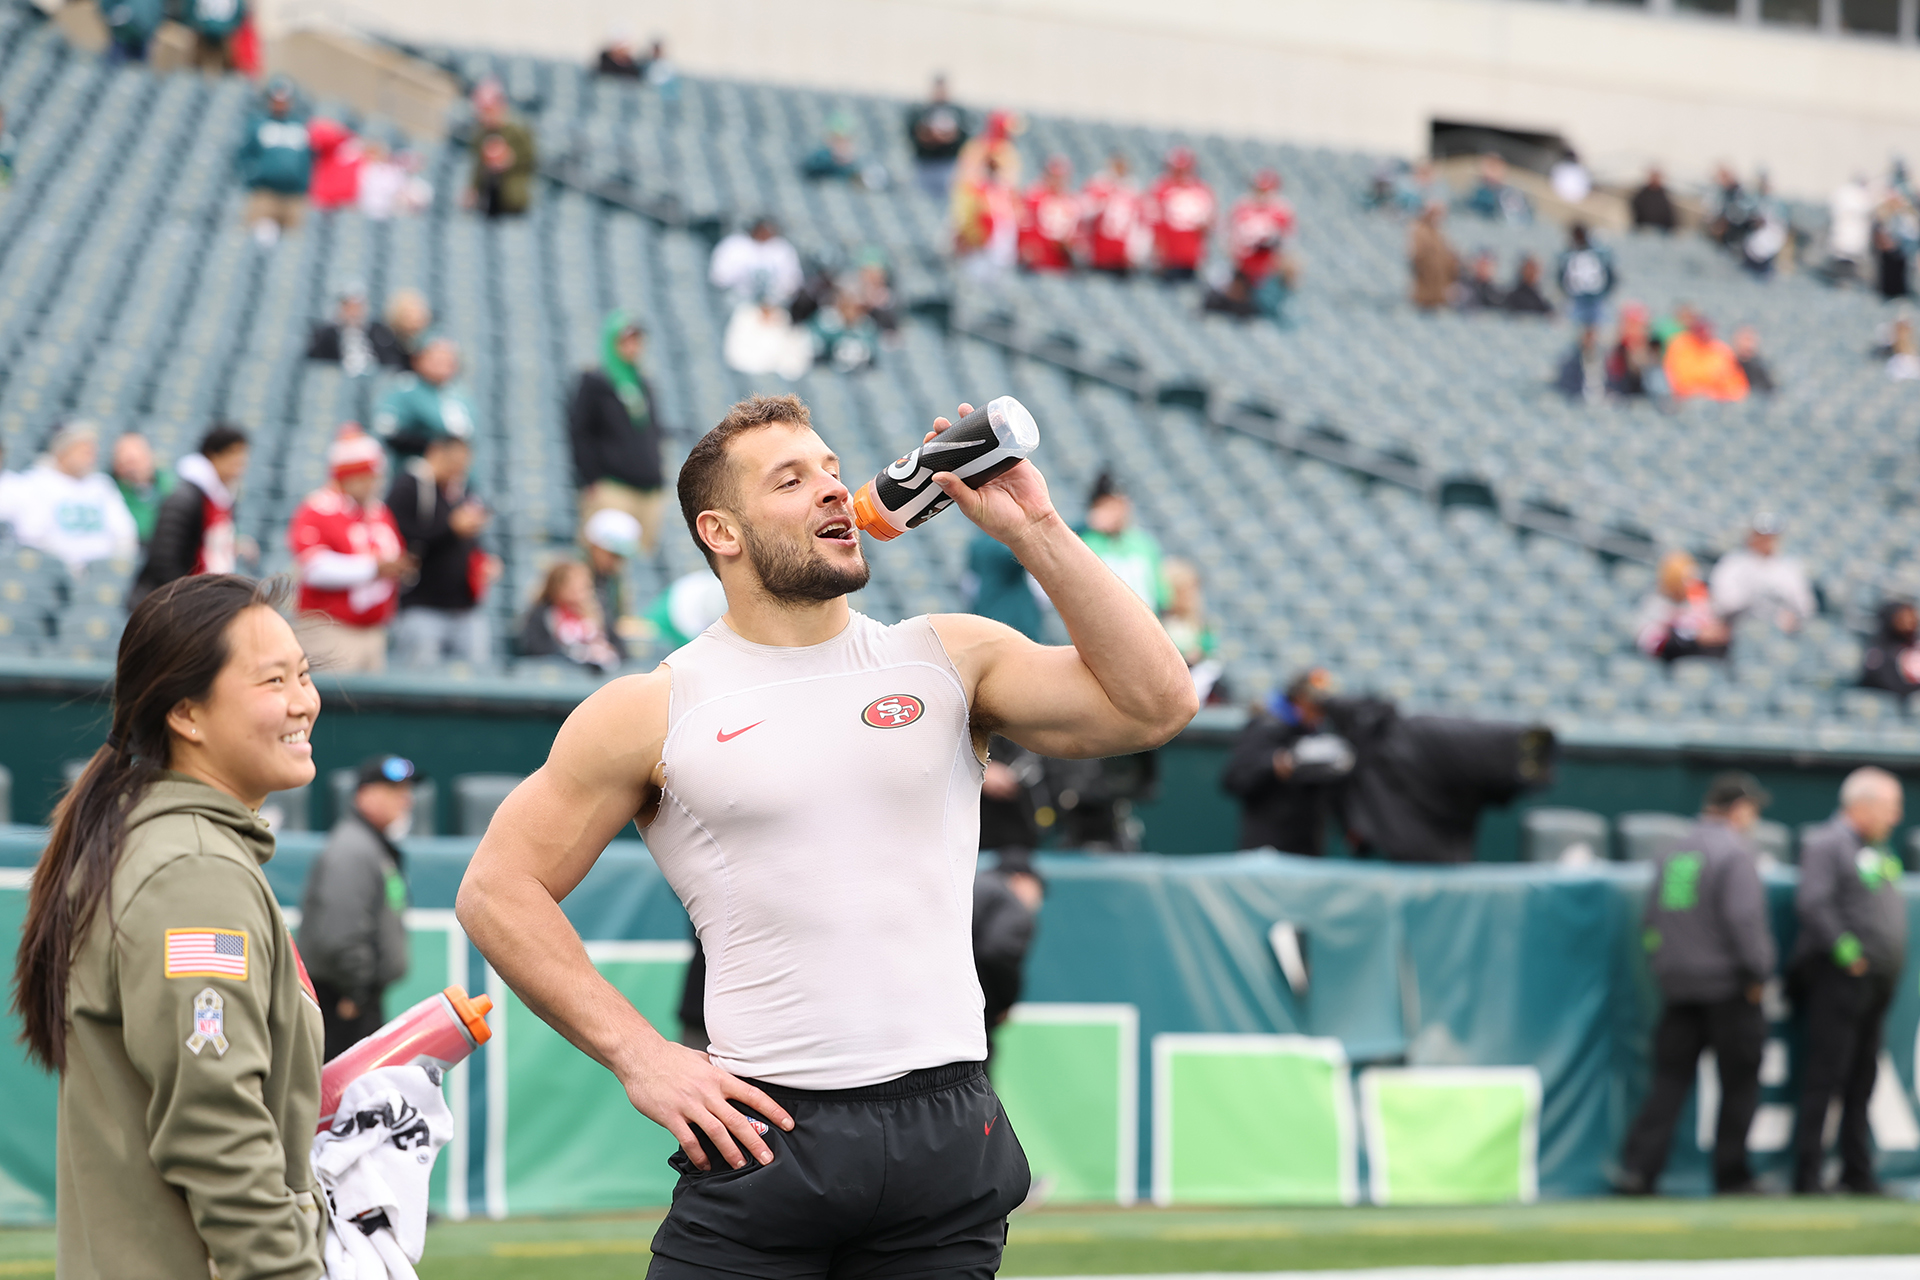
[209, 1023]
[207, 953]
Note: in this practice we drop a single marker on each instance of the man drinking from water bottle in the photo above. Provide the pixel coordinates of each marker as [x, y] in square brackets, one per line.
[809, 782]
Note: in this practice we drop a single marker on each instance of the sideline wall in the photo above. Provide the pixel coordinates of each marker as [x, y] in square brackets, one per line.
[1355, 74]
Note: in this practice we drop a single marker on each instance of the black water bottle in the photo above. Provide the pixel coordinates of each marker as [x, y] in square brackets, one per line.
[977, 448]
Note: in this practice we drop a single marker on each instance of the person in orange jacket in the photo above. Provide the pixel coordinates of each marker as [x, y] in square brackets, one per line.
[1699, 364]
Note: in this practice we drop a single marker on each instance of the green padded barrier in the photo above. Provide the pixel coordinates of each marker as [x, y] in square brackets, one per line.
[27, 1137]
[562, 1137]
[1452, 1135]
[1069, 1077]
[436, 960]
[1252, 1119]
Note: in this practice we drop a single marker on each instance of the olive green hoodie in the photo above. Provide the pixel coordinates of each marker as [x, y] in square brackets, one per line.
[192, 1084]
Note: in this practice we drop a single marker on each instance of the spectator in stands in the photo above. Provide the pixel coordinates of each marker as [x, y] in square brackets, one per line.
[425, 404]
[986, 210]
[1678, 620]
[1746, 349]
[1234, 298]
[1480, 291]
[353, 936]
[1117, 232]
[1436, 267]
[213, 23]
[566, 621]
[276, 165]
[440, 524]
[610, 424]
[993, 142]
[1524, 297]
[1287, 769]
[1733, 211]
[1768, 232]
[1633, 366]
[1890, 271]
[1050, 220]
[1757, 581]
[67, 508]
[1493, 197]
[1699, 364]
[691, 603]
[1849, 229]
[1847, 961]
[409, 317]
[1130, 551]
[337, 159]
[142, 483]
[1257, 230]
[351, 340]
[838, 158]
[758, 265]
[1712, 951]
[617, 59]
[1569, 178]
[762, 338]
[1182, 208]
[1903, 352]
[844, 335]
[504, 157]
[1652, 206]
[1585, 275]
[195, 532]
[1185, 619]
[1006, 909]
[872, 285]
[998, 586]
[1892, 659]
[612, 538]
[663, 77]
[1583, 374]
[130, 27]
[390, 183]
[349, 558]
[936, 129]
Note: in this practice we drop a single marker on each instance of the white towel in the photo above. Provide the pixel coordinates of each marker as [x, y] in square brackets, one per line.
[373, 1163]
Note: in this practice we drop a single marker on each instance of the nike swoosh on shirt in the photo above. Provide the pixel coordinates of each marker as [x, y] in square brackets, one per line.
[721, 735]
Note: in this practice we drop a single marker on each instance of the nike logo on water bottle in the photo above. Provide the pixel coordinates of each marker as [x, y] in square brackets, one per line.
[721, 735]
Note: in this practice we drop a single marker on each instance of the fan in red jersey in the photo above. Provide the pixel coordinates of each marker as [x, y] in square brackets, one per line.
[1117, 233]
[1050, 220]
[1257, 231]
[1183, 209]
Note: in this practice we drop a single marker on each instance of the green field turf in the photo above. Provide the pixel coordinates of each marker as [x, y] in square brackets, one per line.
[1114, 1241]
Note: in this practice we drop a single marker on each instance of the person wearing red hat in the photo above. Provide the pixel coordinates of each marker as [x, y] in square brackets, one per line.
[350, 558]
[1117, 234]
[1182, 208]
[1257, 230]
[1050, 220]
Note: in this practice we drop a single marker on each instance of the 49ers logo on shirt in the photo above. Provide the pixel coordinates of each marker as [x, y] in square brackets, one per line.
[893, 711]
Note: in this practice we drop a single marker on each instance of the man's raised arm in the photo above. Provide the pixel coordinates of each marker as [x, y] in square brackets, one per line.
[543, 840]
[1121, 687]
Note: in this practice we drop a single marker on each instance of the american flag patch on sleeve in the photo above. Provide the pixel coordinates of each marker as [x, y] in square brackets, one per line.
[199, 953]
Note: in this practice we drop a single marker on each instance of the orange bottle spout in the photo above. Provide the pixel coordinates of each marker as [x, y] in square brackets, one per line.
[472, 1013]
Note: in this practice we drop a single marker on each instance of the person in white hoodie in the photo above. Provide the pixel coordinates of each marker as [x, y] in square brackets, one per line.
[67, 507]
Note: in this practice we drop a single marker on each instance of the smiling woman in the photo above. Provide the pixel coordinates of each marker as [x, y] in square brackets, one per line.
[156, 974]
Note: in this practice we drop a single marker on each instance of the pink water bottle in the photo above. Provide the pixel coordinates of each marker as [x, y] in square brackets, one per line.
[438, 1032]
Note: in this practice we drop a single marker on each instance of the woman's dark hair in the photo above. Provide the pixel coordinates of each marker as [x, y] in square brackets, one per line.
[220, 437]
[174, 645]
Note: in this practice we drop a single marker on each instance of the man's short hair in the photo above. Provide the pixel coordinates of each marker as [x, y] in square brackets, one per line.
[1864, 784]
[220, 437]
[706, 477]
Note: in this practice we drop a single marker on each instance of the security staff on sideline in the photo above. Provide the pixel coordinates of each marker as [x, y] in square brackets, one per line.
[1707, 938]
[352, 925]
[1852, 946]
[155, 971]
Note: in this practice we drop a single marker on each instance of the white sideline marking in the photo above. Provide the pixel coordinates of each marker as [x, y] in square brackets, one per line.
[1734, 1269]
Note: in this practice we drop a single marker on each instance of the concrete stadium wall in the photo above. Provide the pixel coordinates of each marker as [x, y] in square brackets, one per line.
[1626, 88]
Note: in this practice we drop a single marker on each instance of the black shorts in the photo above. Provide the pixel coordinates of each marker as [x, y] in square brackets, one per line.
[914, 1177]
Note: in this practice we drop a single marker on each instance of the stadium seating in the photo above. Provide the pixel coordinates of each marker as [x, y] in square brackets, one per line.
[1383, 534]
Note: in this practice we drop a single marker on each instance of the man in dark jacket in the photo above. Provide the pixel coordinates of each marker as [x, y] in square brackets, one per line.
[441, 522]
[616, 442]
[194, 531]
[1711, 950]
[1653, 206]
[353, 934]
[1006, 908]
[1846, 963]
[1892, 661]
[354, 342]
[1286, 772]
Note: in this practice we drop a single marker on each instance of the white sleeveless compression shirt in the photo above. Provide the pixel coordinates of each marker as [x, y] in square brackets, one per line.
[821, 820]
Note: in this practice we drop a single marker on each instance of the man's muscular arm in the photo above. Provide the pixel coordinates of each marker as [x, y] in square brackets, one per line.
[542, 842]
[1121, 687]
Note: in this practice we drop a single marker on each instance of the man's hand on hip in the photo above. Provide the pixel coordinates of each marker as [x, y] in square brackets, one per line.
[681, 1090]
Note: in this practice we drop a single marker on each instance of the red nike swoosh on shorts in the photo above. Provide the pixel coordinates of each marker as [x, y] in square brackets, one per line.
[721, 735]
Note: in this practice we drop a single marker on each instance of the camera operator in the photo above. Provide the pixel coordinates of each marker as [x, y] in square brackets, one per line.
[1286, 772]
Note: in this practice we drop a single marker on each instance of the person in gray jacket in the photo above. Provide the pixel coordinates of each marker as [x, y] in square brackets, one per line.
[352, 932]
[1711, 951]
[1846, 963]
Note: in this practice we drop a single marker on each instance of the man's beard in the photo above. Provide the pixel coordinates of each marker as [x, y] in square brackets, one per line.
[791, 575]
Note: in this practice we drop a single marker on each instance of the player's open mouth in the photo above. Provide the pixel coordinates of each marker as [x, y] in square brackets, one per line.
[840, 531]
